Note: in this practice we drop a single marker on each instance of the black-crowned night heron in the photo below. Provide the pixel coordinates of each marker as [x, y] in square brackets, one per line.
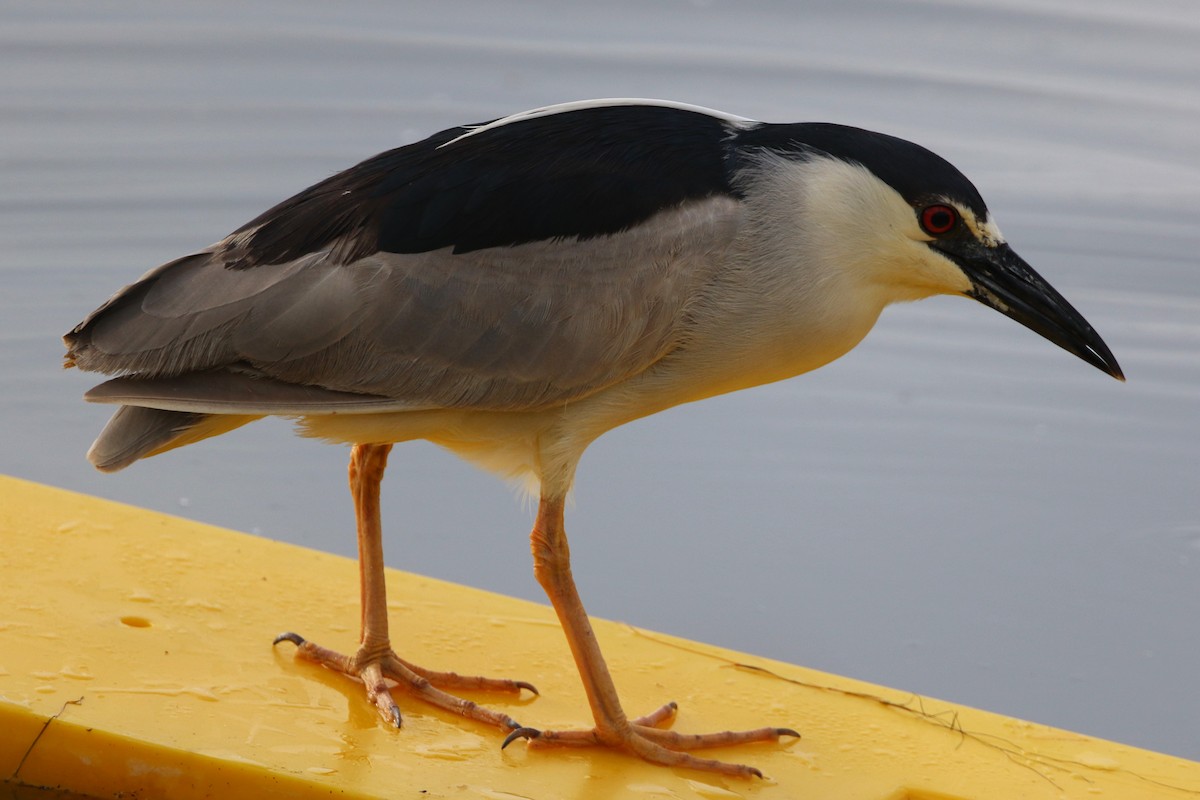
[512, 290]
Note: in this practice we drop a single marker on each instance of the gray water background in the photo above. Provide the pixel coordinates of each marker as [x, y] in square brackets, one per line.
[956, 508]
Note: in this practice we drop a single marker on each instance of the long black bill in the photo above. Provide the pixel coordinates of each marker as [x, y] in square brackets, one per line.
[1001, 279]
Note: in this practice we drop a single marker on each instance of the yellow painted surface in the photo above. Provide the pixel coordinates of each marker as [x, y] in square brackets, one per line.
[147, 639]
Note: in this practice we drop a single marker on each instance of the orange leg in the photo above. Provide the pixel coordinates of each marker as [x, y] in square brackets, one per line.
[641, 736]
[375, 661]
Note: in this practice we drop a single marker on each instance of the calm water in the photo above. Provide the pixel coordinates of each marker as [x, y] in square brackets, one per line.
[957, 508]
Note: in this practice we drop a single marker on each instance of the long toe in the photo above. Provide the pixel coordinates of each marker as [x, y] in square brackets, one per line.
[474, 683]
[424, 688]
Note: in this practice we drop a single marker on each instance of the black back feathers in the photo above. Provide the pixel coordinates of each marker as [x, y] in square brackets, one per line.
[583, 173]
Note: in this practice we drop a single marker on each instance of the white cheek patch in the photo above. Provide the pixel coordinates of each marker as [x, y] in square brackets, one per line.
[943, 276]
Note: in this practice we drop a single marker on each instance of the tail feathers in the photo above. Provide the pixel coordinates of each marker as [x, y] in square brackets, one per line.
[135, 432]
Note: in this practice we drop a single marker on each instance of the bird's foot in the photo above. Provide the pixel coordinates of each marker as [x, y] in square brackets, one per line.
[374, 666]
[646, 738]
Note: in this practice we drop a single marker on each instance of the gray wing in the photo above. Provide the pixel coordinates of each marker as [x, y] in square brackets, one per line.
[503, 328]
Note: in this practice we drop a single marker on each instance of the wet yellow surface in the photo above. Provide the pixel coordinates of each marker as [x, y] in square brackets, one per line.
[136, 661]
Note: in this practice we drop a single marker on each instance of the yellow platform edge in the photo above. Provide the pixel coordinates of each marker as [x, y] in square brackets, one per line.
[136, 662]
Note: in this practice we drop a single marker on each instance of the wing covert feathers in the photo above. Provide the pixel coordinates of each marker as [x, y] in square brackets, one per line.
[508, 328]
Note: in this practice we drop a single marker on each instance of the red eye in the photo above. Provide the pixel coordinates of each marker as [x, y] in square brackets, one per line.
[937, 220]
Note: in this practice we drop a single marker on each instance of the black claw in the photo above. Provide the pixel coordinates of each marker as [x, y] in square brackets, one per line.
[787, 732]
[294, 638]
[756, 772]
[396, 718]
[529, 686]
[520, 733]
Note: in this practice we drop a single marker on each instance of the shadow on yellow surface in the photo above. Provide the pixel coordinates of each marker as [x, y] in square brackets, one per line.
[136, 661]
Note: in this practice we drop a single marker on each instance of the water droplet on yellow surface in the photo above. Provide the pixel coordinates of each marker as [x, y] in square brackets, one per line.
[457, 748]
[652, 789]
[76, 673]
[1097, 761]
